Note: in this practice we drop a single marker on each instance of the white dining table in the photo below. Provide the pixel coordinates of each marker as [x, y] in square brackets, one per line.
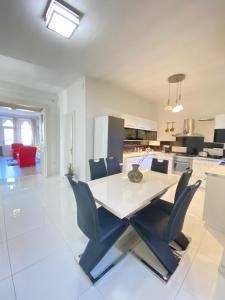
[123, 198]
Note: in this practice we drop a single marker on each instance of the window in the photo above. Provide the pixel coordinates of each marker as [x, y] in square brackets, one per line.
[8, 129]
[26, 133]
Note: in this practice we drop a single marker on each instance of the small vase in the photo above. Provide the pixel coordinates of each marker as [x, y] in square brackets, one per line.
[135, 175]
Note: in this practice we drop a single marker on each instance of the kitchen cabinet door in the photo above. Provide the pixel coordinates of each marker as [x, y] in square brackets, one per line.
[151, 135]
[200, 167]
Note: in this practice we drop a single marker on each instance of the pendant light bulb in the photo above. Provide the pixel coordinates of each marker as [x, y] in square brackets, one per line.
[178, 108]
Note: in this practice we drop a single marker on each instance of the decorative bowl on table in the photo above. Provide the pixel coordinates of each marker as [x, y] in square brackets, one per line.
[135, 174]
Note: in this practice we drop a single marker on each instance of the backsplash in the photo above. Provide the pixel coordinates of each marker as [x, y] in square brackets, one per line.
[136, 146]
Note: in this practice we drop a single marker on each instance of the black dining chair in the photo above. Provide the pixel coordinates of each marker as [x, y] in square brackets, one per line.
[167, 206]
[158, 227]
[113, 165]
[101, 227]
[97, 168]
[160, 166]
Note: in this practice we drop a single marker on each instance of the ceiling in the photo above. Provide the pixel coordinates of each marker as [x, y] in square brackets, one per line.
[133, 44]
[18, 113]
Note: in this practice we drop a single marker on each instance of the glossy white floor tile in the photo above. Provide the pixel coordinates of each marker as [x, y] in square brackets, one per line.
[130, 279]
[23, 213]
[56, 277]
[182, 295]
[202, 278]
[4, 261]
[2, 225]
[31, 247]
[39, 239]
[91, 294]
[7, 290]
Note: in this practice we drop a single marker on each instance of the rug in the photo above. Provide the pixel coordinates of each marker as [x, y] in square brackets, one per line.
[12, 162]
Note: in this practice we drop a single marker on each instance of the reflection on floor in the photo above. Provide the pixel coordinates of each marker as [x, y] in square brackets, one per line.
[39, 239]
[15, 171]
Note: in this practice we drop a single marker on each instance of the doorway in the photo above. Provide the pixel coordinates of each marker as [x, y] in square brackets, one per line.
[22, 141]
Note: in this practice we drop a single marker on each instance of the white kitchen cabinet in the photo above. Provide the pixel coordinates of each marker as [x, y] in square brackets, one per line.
[145, 162]
[130, 121]
[200, 166]
[220, 121]
[214, 205]
[139, 123]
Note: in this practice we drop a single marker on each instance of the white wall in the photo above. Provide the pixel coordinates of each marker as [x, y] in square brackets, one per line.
[84, 100]
[72, 105]
[105, 99]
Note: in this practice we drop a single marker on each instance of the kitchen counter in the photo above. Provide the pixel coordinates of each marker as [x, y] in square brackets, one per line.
[207, 158]
[216, 171]
[144, 153]
[169, 155]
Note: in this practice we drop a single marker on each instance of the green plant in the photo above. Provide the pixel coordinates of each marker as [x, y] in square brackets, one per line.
[70, 170]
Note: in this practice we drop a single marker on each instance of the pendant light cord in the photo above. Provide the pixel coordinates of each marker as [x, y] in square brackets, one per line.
[177, 91]
[168, 102]
[180, 93]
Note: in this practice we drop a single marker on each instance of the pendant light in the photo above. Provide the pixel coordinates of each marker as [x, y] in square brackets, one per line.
[168, 107]
[178, 107]
[176, 78]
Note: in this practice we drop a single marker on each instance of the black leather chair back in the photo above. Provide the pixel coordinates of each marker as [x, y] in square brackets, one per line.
[160, 166]
[183, 183]
[87, 214]
[97, 168]
[178, 213]
[113, 165]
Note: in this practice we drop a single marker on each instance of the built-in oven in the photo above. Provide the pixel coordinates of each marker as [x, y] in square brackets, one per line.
[181, 163]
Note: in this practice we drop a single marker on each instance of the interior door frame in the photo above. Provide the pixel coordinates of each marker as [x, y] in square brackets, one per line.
[43, 142]
[73, 152]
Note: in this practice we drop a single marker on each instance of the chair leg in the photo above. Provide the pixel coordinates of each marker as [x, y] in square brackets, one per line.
[160, 249]
[182, 241]
[95, 251]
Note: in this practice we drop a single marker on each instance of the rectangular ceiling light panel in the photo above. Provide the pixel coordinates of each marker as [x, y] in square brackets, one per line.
[61, 19]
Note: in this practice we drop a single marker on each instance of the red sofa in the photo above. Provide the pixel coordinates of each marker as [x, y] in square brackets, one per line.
[27, 156]
[16, 149]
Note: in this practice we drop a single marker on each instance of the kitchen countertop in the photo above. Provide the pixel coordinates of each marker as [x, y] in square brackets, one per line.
[169, 155]
[207, 158]
[143, 153]
[216, 171]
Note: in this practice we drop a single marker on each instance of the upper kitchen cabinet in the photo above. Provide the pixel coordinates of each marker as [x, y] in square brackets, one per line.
[139, 123]
[220, 121]
[219, 132]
